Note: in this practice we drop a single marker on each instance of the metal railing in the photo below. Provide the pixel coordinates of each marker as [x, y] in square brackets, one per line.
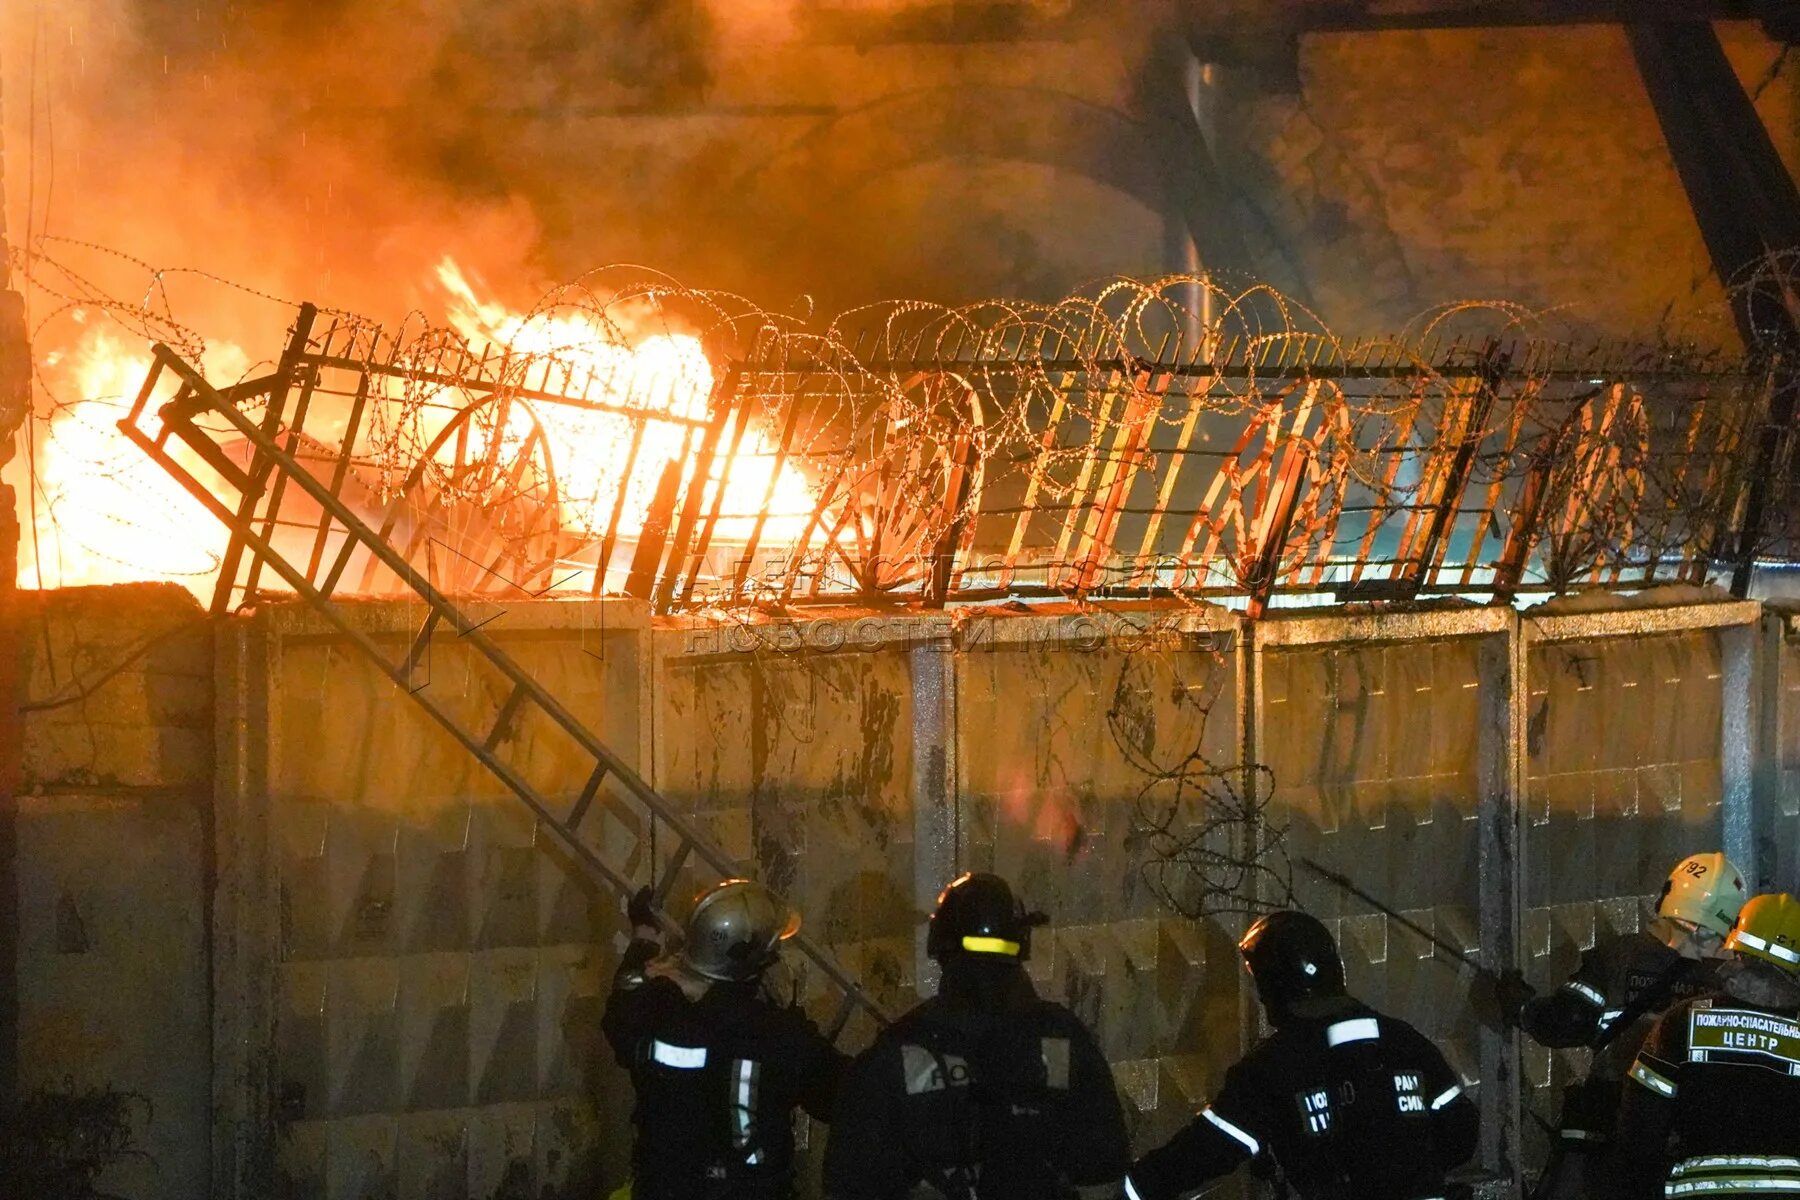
[197, 416]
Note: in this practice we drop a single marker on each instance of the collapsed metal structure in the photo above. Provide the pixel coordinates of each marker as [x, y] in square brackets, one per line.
[1071, 451]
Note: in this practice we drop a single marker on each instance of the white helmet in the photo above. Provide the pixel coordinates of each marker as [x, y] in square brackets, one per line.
[1704, 891]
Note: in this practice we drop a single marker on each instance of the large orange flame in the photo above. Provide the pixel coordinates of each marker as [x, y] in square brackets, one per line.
[105, 513]
[662, 373]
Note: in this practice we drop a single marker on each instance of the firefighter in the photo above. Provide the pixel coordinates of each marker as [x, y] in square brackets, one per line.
[1720, 1076]
[1343, 1102]
[717, 1066]
[1608, 1004]
[984, 1091]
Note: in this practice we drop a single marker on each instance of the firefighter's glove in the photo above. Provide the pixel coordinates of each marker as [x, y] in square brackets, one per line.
[1498, 997]
[641, 909]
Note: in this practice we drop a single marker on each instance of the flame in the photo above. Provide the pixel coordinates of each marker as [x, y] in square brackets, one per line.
[107, 513]
[104, 512]
[660, 373]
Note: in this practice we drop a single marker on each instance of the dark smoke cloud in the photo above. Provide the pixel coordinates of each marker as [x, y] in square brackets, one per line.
[336, 150]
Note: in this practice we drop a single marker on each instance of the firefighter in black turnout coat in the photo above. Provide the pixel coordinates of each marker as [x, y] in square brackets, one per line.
[1712, 1105]
[1347, 1104]
[717, 1066]
[984, 1092]
[1621, 985]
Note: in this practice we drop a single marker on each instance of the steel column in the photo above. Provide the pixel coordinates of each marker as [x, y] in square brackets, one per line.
[1747, 207]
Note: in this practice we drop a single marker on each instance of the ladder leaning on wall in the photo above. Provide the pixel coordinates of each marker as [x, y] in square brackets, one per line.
[274, 467]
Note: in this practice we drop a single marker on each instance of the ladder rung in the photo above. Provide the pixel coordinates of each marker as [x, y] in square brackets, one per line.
[676, 860]
[421, 641]
[505, 718]
[841, 1018]
[351, 542]
[587, 796]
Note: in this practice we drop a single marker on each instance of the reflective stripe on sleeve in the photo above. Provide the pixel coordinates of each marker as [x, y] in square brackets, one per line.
[685, 1058]
[1657, 1082]
[1585, 992]
[1359, 1029]
[1131, 1192]
[1739, 1185]
[1446, 1096]
[1729, 1162]
[1242, 1136]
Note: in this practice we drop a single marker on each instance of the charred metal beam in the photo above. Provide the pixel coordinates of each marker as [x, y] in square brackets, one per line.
[1747, 207]
[1207, 20]
[1196, 186]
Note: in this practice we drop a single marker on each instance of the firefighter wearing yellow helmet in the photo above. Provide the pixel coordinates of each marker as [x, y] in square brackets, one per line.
[718, 1066]
[1608, 1004]
[985, 1091]
[1720, 1074]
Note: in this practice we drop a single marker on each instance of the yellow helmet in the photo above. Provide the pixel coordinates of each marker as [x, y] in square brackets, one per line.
[1769, 929]
[1704, 891]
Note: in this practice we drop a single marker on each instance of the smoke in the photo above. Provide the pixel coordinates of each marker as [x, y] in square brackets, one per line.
[337, 150]
[326, 151]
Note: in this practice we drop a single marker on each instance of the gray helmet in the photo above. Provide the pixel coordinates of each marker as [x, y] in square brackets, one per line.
[736, 930]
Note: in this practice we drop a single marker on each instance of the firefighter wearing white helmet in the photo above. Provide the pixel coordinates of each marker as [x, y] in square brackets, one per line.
[1720, 1076]
[717, 1065]
[1620, 986]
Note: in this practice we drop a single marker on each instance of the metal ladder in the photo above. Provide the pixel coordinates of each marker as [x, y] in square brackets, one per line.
[274, 468]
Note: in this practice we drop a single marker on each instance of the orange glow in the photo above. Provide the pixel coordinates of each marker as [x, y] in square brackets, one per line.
[105, 513]
[667, 373]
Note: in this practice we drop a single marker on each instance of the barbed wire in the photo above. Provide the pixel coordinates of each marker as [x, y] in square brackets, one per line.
[1171, 419]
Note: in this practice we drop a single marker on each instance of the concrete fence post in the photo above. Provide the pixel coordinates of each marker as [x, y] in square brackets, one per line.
[1500, 764]
[246, 918]
[1777, 786]
[933, 670]
[1743, 836]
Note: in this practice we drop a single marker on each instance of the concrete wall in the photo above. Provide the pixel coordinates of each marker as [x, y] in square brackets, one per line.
[432, 978]
[859, 760]
[114, 858]
[1073, 736]
[406, 976]
[1629, 758]
[1382, 756]
[1778, 742]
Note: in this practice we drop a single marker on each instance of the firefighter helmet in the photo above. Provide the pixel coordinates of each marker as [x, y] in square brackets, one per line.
[736, 930]
[1292, 957]
[1769, 929]
[979, 915]
[1704, 891]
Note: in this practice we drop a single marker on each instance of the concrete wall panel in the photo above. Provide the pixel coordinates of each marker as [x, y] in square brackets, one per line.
[113, 865]
[1373, 748]
[800, 766]
[1073, 741]
[439, 961]
[1625, 770]
[1778, 780]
